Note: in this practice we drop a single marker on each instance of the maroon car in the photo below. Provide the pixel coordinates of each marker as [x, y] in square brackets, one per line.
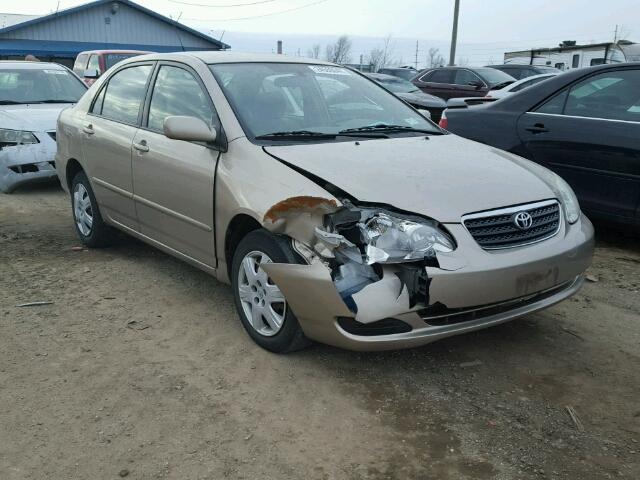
[91, 64]
[454, 82]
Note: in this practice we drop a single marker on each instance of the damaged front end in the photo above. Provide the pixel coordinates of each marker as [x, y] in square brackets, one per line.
[25, 157]
[365, 264]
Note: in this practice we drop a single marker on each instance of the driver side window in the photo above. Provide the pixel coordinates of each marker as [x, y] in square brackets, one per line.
[177, 92]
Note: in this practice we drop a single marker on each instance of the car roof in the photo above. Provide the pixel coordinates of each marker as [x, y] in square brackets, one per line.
[103, 52]
[225, 56]
[32, 65]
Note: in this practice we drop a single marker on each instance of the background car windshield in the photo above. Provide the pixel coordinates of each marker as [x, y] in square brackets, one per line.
[282, 97]
[493, 76]
[39, 85]
[111, 59]
[398, 85]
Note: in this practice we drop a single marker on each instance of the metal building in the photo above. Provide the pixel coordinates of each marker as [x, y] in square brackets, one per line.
[99, 25]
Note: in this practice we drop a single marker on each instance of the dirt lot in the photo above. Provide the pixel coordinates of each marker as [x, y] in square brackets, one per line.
[140, 368]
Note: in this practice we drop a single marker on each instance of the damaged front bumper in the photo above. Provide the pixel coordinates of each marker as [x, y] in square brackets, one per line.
[27, 163]
[470, 289]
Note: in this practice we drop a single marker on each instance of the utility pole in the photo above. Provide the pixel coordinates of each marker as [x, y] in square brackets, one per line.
[454, 34]
[279, 47]
[615, 35]
[416, 54]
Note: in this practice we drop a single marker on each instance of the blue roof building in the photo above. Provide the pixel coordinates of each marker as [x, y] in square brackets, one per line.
[100, 25]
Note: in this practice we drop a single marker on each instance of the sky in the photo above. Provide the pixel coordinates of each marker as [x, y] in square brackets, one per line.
[487, 28]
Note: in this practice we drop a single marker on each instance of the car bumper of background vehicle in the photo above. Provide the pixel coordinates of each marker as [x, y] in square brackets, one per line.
[474, 289]
[22, 164]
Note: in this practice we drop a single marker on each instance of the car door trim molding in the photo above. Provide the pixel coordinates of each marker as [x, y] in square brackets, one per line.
[585, 118]
[113, 188]
[172, 213]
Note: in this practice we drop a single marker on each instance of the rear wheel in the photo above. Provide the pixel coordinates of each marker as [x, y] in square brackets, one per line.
[90, 227]
[263, 310]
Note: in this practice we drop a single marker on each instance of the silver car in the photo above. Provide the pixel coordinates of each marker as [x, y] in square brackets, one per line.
[32, 95]
[335, 210]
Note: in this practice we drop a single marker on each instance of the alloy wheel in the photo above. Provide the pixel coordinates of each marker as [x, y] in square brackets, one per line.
[82, 209]
[262, 301]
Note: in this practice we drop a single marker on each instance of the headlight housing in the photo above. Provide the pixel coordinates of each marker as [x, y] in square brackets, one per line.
[390, 239]
[16, 137]
[561, 188]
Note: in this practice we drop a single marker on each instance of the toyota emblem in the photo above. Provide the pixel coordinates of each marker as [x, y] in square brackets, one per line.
[523, 220]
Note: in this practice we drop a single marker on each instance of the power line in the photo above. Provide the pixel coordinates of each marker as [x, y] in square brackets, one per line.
[221, 6]
[257, 16]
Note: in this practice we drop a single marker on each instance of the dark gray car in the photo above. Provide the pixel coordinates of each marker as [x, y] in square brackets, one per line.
[411, 94]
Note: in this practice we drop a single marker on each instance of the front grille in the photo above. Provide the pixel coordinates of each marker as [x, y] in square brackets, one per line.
[497, 229]
[52, 135]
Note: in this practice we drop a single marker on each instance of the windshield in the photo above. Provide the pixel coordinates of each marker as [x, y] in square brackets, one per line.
[397, 85]
[46, 85]
[493, 76]
[110, 59]
[291, 97]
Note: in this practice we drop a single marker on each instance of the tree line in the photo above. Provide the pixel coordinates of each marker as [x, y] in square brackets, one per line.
[378, 57]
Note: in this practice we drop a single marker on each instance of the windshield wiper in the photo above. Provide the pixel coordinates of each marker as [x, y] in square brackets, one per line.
[383, 127]
[294, 134]
[9, 102]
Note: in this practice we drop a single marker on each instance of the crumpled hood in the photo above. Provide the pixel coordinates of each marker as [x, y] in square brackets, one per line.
[31, 117]
[442, 177]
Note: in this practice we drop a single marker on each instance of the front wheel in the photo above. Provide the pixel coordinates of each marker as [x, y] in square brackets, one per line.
[263, 310]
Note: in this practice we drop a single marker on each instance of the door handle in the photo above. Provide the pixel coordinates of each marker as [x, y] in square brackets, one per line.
[142, 146]
[88, 129]
[537, 128]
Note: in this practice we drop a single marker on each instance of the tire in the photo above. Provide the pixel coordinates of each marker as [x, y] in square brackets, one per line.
[251, 292]
[88, 222]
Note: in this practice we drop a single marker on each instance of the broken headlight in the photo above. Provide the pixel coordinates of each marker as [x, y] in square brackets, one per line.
[16, 137]
[390, 239]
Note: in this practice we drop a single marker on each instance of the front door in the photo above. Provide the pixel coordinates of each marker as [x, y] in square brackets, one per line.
[173, 179]
[590, 135]
[108, 132]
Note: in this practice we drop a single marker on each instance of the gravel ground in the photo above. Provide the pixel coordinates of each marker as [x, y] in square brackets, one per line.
[140, 369]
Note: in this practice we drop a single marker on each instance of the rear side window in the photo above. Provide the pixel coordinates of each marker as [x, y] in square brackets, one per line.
[177, 92]
[555, 105]
[439, 76]
[124, 94]
[610, 95]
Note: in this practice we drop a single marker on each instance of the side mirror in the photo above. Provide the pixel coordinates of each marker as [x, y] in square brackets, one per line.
[91, 73]
[477, 83]
[190, 129]
[425, 113]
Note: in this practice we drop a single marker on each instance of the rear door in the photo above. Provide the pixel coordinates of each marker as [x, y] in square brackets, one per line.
[589, 133]
[438, 82]
[174, 179]
[108, 133]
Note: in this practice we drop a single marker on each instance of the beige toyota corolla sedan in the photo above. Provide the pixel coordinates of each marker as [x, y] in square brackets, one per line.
[337, 212]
